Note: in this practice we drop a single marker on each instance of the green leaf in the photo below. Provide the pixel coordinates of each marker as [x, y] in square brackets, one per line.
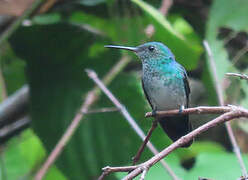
[119, 29]
[22, 157]
[44, 19]
[216, 166]
[90, 2]
[56, 57]
[94, 21]
[186, 52]
[13, 162]
[199, 147]
[196, 148]
[13, 70]
[220, 16]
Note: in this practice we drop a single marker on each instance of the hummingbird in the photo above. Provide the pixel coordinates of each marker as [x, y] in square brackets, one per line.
[165, 85]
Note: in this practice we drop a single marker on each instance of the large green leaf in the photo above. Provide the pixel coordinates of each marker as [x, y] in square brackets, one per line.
[22, 156]
[119, 29]
[221, 166]
[220, 16]
[56, 57]
[187, 52]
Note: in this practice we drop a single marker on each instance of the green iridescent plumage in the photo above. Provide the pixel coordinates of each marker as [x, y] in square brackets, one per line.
[165, 85]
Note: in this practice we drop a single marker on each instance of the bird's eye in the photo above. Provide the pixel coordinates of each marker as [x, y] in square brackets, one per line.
[151, 48]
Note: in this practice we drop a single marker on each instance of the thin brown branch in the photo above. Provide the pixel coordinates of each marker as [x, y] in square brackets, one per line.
[236, 112]
[220, 94]
[90, 99]
[130, 120]
[164, 9]
[142, 177]
[119, 169]
[165, 6]
[14, 107]
[107, 170]
[102, 110]
[46, 6]
[142, 147]
[241, 76]
[196, 110]
[14, 129]
[240, 53]
[217, 82]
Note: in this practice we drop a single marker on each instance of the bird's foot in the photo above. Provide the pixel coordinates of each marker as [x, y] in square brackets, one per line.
[154, 112]
[181, 108]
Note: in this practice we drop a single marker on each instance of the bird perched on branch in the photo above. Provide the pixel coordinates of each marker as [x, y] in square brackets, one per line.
[165, 84]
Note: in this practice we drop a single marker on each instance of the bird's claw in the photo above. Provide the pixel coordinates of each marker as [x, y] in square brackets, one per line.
[154, 112]
[181, 108]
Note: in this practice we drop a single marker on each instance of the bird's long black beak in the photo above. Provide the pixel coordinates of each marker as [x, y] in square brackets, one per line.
[134, 49]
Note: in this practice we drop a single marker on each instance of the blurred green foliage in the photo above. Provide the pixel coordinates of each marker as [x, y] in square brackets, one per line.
[182, 46]
[219, 18]
[23, 156]
[51, 54]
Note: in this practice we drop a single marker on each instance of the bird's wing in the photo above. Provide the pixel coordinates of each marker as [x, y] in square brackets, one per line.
[186, 86]
[147, 97]
[185, 82]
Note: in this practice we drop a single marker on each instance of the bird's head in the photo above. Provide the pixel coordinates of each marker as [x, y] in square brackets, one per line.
[151, 51]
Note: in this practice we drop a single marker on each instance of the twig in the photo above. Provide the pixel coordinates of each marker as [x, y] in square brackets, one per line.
[141, 149]
[164, 8]
[217, 84]
[102, 110]
[240, 53]
[13, 129]
[219, 91]
[142, 177]
[14, 107]
[89, 28]
[242, 178]
[46, 6]
[90, 99]
[241, 76]
[8, 32]
[202, 178]
[130, 120]
[13, 111]
[119, 169]
[236, 112]
[196, 110]
[107, 170]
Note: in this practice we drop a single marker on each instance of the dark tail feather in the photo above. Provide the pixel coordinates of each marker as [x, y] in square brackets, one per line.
[176, 127]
